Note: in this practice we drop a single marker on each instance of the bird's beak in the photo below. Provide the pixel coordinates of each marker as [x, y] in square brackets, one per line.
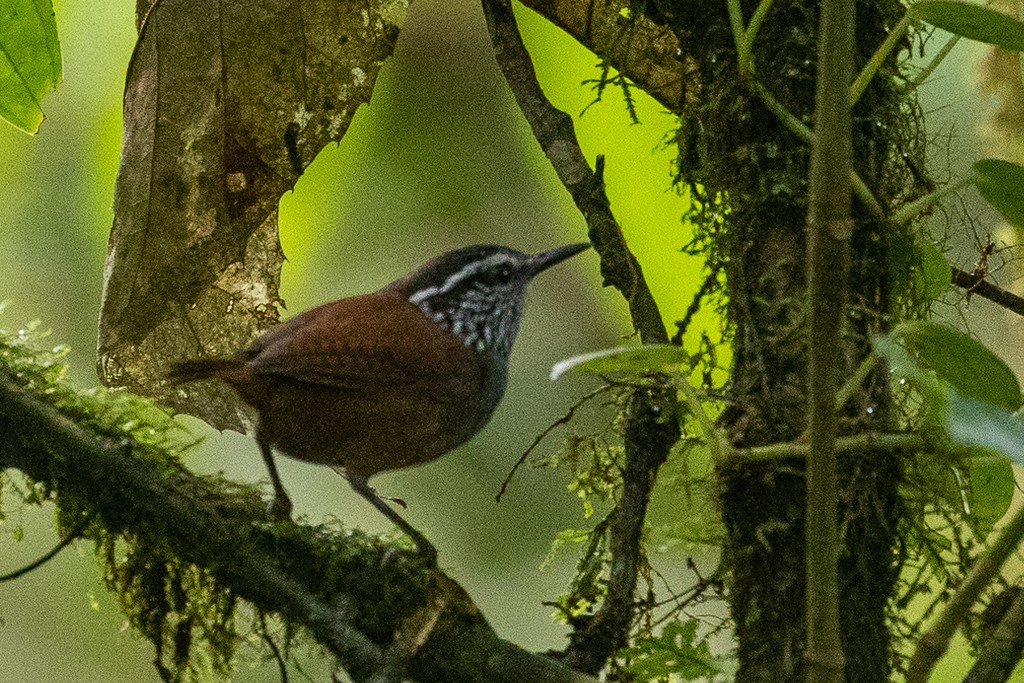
[546, 259]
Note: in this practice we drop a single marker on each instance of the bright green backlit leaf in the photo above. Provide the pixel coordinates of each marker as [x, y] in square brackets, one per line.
[653, 358]
[30, 61]
[964, 362]
[972, 21]
[936, 273]
[1000, 183]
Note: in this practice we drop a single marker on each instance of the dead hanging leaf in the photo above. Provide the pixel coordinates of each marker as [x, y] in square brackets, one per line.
[226, 103]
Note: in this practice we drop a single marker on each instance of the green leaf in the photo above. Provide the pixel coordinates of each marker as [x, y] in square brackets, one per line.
[991, 492]
[972, 21]
[30, 60]
[676, 652]
[964, 362]
[973, 423]
[936, 273]
[901, 363]
[1000, 183]
[652, 358]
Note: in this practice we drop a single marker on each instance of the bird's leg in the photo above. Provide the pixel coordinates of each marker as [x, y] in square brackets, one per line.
[360, 486]
[281, 508]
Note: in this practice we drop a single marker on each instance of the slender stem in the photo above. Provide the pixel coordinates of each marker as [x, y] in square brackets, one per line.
[53, 552]
[913, 209]
[739, 37]
[867, 197]
[716, 440]
[799, 129]
[855, 380]
[844, 444]
[934, 64]
[795, 125]
[755, 25]
[829, 226]
[934, 643]
[874, 64]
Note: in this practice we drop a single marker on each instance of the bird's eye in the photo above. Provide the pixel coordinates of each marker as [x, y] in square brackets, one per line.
[504, 274]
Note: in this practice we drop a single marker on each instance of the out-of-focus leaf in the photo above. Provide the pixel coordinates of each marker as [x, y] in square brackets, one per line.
[225, 105]
[973, 426]
[652, 358]
[964, 362]
[970, 423]
[30, 61]
[975, 481]
[1000, 183]
[972, 21]
[991, 492]
[936, 273]
[904, 365]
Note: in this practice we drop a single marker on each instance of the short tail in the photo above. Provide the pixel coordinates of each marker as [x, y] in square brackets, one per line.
[202, 368]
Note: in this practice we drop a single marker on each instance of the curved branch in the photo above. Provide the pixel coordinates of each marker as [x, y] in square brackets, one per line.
[440, 633]
[650, 430]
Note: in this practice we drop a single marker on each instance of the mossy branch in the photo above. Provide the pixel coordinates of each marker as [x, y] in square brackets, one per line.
[364, 601]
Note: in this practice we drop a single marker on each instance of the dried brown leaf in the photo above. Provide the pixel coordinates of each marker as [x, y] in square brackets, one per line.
[226, 103]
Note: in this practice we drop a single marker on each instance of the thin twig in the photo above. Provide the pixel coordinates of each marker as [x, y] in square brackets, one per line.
[282, 667]
[53, 552]
[547, 430]
[681, 325]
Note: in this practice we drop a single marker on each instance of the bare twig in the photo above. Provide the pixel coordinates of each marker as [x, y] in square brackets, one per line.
[975, 283]
[682, 325]
[275, 651]
[547, 430]
[53, 552]
[650, 431]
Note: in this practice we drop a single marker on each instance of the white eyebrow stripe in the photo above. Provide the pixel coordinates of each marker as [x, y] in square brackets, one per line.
[466, 271]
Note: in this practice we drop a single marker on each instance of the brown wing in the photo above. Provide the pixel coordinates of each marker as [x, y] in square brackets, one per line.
[363, 343]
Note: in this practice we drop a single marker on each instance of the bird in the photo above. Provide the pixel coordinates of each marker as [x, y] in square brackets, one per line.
[390, 379]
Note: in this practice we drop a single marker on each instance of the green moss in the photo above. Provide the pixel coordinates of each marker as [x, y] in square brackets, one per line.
[187, 607]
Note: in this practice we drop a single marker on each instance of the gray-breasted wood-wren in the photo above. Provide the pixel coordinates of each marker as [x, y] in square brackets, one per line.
[389, 379]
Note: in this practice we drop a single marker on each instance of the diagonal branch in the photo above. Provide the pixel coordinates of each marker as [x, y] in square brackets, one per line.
[975, 283]
[297, 572]
[648, 435]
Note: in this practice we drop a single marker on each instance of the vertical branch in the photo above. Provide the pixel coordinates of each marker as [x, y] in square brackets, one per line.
[829, 228]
